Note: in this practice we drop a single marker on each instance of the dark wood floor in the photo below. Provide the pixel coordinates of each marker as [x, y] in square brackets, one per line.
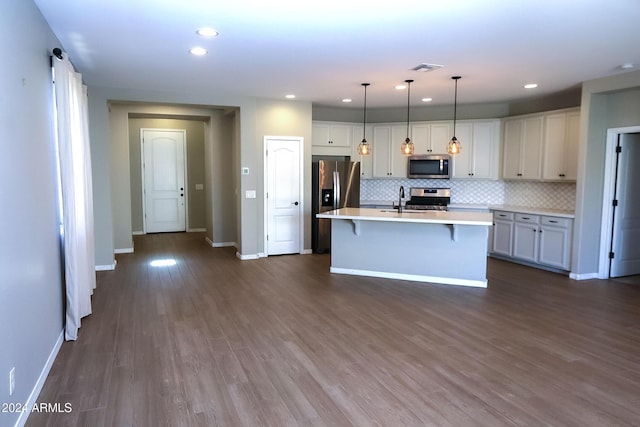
[281, 342]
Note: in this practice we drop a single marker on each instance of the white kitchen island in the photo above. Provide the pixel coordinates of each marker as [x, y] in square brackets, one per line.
[426, 246]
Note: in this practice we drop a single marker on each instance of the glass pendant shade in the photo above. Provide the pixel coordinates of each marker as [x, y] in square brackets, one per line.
[407, 146]
[454, 147]
[364, 148]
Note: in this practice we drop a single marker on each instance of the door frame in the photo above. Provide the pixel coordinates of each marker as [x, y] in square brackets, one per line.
[300, 141]
[607, 196]
[186, 183]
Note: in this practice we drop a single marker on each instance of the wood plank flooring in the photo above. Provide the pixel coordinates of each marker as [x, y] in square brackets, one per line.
[215, 341]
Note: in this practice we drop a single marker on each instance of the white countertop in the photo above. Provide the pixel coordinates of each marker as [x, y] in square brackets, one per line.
[425, 217]
[509, 208]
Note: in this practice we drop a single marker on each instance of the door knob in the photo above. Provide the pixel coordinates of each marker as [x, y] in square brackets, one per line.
[295, 203]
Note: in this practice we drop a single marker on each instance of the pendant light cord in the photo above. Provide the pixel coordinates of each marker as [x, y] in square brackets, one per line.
[455, 104]
[364, 118]
[408, 98]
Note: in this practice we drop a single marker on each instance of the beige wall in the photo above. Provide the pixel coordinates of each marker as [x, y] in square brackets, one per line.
[609, 102]
[217, 145]
[285, 118]
[196, 219]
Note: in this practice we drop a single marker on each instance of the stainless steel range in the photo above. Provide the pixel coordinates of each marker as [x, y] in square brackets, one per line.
[435, 199]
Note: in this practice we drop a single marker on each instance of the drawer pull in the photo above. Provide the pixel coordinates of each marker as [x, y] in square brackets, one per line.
[553, 221]
[525, 217]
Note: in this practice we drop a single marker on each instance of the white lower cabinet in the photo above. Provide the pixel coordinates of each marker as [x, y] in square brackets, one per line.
[502, 233]
[536, 239]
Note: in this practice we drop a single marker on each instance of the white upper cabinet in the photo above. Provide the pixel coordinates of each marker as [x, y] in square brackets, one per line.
[431, 137]
[561, 146]
[522, 147]
[542, 146]
[388, 161]
[479, 157]
[366, 162]
[331, 134]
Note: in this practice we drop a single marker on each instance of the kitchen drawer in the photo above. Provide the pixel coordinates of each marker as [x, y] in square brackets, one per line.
[555, 221]
[506, 216]
[532, 219]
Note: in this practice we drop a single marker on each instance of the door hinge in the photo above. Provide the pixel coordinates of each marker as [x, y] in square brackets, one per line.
[615, 203]
[611, 255]
[267, 237]
[619, 149]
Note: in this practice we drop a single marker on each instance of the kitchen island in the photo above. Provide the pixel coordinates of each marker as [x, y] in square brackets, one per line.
[426, 246]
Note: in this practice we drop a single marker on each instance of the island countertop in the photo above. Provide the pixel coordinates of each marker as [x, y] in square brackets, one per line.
[413, 216]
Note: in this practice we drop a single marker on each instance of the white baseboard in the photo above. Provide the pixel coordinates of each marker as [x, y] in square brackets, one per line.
[123, 251]
[246, 257]
[22, 420]
[137, 233]
[219, 244]
[584, 276]
[411, 277]
[107, 267]
[196, 230]
[306, 252]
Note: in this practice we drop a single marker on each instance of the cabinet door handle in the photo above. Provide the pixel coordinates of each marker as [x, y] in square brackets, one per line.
[519, 174]
[540, 230]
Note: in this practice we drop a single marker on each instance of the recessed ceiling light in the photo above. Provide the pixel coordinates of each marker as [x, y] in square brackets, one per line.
[207, 32]
[198, 51]
[346, 100]
[531, 85]
[400, 87]
[290, 96]
[427, 99]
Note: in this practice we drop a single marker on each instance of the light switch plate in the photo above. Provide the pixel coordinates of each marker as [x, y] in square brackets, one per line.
[245, 171]
[250, 194]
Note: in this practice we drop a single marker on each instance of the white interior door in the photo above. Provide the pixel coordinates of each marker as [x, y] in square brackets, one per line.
[284, 205]
[163, 163]
[626, 220]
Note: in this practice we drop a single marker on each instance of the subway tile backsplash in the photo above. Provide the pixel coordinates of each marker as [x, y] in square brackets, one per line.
[549, 195]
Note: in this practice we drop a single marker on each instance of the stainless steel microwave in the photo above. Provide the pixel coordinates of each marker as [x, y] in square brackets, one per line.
[429, 166]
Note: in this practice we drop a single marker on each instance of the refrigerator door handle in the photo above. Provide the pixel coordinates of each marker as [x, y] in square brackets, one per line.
[336, 190]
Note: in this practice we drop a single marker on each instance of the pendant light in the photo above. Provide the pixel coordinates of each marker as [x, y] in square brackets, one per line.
[407, 145]
[454, 146]
[364, 148]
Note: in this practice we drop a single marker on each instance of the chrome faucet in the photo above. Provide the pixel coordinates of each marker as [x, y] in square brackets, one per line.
[400, 197]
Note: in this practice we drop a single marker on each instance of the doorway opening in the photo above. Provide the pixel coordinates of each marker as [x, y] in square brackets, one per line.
[620, 210]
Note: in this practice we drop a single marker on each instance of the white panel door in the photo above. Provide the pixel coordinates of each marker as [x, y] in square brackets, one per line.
[626, 222]
[164, 180]
[283, 196]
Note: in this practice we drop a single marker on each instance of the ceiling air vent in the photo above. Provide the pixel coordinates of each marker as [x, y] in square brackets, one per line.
[424, 67]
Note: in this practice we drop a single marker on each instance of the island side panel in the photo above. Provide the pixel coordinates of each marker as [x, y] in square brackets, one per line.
[415, 251]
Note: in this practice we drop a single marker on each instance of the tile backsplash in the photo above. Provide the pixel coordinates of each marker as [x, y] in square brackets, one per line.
[551, 195]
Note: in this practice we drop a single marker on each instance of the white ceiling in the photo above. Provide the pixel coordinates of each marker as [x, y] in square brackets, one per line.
[322, 50]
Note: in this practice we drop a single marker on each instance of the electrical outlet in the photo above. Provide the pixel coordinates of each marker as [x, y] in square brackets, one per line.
[12, 380]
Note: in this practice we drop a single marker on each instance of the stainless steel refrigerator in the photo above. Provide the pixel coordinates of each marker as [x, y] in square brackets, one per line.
[336, 184]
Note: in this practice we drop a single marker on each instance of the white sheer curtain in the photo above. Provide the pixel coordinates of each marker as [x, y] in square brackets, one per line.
[77, 194]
